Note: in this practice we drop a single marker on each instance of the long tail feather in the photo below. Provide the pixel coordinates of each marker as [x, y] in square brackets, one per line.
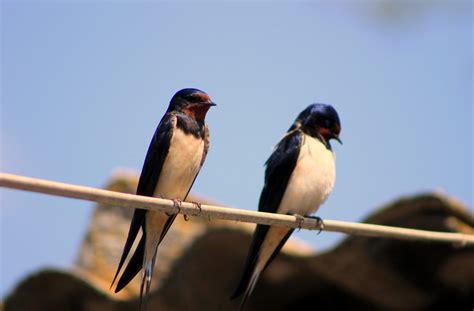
[137, 221]
[253, 268]
[249, 290]
[251, 260]
[133, 266]
[146, 282]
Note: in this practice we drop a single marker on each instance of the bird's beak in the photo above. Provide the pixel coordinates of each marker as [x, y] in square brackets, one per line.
[336, 137]
[211, 104]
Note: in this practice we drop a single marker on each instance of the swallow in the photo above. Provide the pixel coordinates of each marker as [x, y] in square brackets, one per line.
[299, 175]
[176, 154]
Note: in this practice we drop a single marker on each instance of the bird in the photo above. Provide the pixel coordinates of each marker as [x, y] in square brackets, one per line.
[175, 155]
[299, 175]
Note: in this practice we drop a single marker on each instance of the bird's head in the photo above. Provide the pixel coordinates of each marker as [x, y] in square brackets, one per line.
[320, 119]
[192, 102]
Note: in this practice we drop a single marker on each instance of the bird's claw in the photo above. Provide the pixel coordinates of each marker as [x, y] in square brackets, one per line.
[177, 204]
[300, 220]
[197, 205]
[320, 223]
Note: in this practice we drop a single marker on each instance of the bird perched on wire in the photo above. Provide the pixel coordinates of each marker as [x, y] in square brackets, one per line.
[299, 176]
[176, 154]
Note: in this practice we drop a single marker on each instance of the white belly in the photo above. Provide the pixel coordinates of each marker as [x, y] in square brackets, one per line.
[179, 170]
[312, 179]
[180, 166]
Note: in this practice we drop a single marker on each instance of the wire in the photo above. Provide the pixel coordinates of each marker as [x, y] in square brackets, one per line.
[225, 213]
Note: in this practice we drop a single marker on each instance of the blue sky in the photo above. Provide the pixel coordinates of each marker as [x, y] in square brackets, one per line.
[84, 84]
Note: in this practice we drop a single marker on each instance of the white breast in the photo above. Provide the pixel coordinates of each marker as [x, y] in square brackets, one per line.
[181, 165]
[179, 170]
[312, 179]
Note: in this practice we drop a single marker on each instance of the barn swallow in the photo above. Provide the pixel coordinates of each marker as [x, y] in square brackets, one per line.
[299, 176]
[176, 154]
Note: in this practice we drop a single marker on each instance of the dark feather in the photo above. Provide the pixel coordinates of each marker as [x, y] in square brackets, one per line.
[279, 168]
[137, 221]
[133, 266]
[156, 155]
[253, 278]
[151, 171]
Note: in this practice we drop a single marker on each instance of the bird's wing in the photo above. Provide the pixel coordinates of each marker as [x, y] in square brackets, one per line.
[155, 157]
[280, 165]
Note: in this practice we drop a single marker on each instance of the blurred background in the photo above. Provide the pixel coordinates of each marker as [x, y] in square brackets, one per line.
[84, 84]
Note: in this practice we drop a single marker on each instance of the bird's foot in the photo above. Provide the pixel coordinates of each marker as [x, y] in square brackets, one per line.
[197, 205]
[177, 204]
[300, 220]
[320, 223]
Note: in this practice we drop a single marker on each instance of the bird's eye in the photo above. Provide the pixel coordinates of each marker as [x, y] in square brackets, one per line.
[327, 123]
[190, 98]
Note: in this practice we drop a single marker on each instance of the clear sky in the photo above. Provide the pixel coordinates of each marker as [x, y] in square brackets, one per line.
[84, 84]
